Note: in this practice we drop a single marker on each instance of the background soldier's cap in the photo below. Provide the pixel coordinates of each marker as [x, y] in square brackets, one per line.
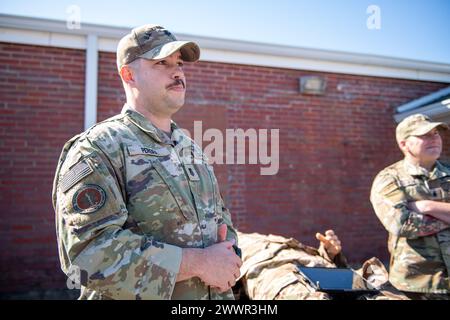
[416, 125]
[153, 42]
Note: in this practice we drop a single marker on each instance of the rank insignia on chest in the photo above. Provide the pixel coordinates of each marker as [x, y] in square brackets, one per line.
[191, 172]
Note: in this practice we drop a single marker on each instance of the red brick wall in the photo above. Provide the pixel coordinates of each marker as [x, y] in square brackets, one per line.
[41, 106]
[331, 147]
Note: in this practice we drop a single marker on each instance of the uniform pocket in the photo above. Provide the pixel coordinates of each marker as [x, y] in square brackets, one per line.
[150, 186]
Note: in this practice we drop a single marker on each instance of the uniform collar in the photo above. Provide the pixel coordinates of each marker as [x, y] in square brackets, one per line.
[437, 172]
[440, 171]
[147, 126]
[415, 170]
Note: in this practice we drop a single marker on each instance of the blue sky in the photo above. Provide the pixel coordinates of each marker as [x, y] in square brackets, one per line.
[414, 29]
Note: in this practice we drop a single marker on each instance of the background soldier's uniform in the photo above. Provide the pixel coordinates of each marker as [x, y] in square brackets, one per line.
[127, 199]
[419, 244]
[269, 270]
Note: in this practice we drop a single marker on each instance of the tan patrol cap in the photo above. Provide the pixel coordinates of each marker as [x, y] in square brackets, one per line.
[416, 125]
[153, 42]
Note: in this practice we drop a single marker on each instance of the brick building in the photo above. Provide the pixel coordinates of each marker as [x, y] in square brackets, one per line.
[54, 82]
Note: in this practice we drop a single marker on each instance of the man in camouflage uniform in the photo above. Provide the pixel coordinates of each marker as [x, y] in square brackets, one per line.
[138, 208]
[270, 268]
[411, 199]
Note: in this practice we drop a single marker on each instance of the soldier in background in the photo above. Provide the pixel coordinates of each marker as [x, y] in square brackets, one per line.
[138, 208]
[270, 268]
[411, 199]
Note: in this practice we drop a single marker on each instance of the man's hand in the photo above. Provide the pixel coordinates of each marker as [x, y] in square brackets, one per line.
[220, 266]
[231, 274]
[222, 232]
[437, 209]
[330, 242]
[217, 265]
[422, 206]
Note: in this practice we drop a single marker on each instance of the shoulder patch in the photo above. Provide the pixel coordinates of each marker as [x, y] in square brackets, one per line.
[385, 184]
[74, 175]
[88, 199]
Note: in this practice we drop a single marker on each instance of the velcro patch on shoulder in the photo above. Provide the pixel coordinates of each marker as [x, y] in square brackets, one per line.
[74, 175]
[387, 188]
[384, 184]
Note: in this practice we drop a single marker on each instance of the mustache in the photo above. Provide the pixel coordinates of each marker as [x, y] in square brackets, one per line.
[177, 82]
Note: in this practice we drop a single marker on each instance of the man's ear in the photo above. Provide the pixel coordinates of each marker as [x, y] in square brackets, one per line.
[126, 73]
[402, 145]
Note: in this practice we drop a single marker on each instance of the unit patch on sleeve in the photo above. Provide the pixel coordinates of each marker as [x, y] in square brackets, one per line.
[88, 199]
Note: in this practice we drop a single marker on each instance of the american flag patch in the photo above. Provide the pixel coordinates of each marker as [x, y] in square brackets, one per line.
[78, 172]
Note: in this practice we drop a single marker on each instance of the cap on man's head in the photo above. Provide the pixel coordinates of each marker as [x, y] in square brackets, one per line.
[153, 42]
[416, 125]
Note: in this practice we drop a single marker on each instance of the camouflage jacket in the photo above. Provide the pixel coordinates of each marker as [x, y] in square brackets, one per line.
[269, 269]
[127, 200]
[419, 244]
